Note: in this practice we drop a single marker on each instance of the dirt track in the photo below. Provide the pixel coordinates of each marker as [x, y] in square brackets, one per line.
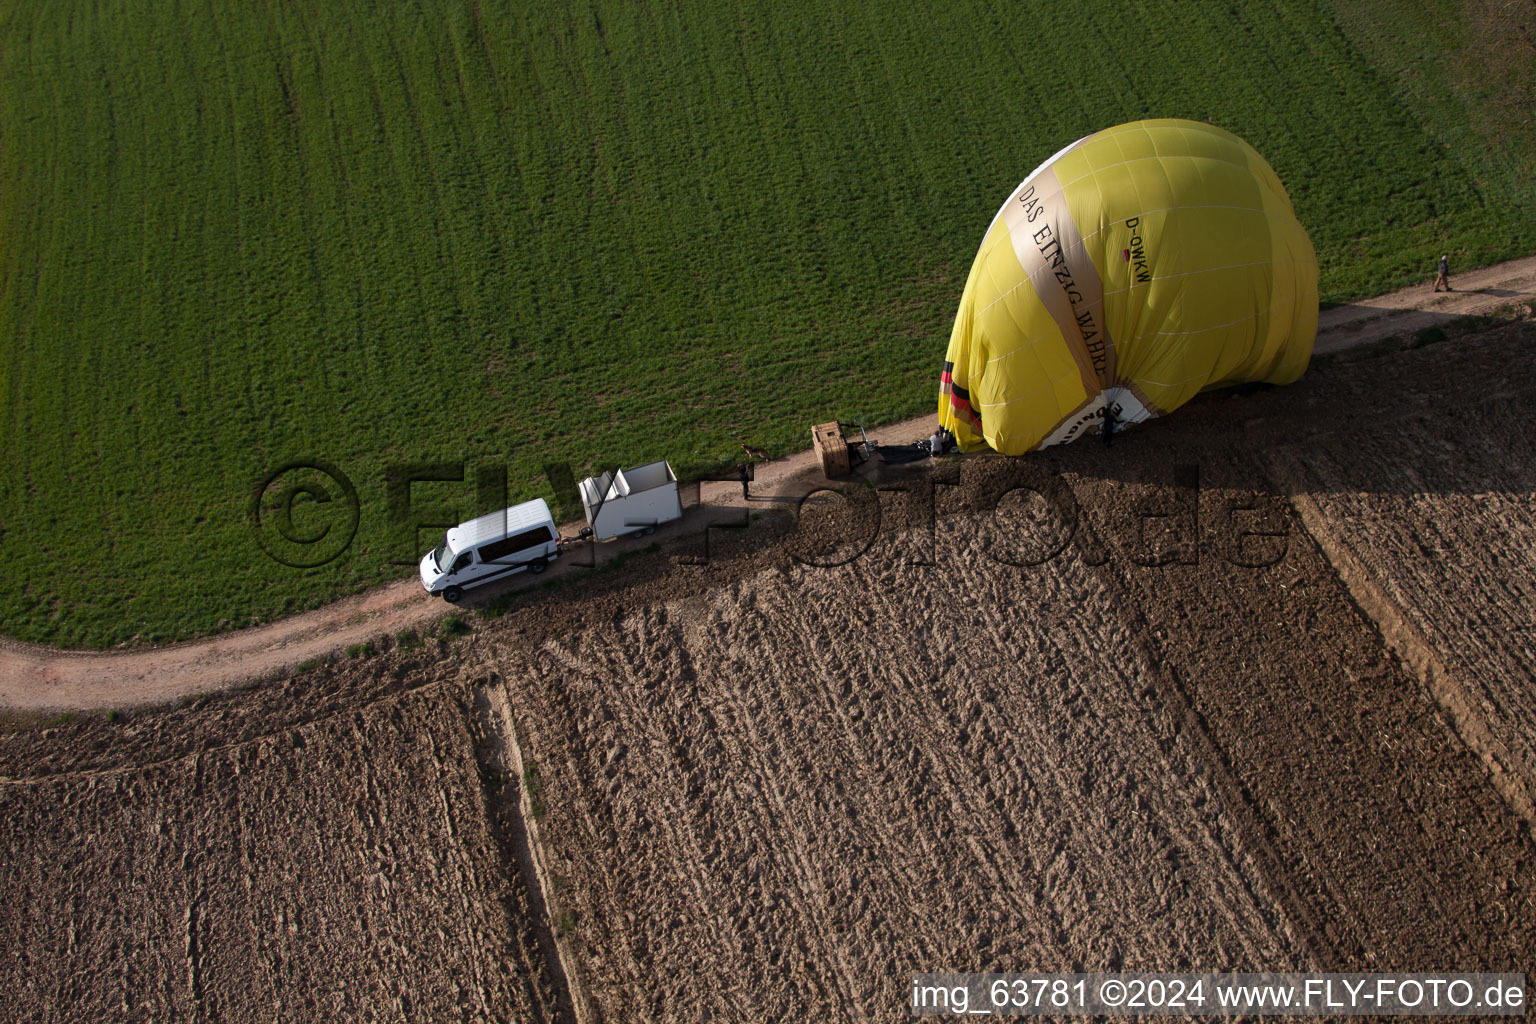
[1251, 689]
[34, 677]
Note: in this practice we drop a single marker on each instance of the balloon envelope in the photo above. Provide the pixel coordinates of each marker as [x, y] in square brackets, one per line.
[1136, 268]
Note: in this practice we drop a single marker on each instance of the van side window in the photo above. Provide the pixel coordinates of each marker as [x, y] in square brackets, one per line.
[529, 538]
[461, 561]
[497, 549]
[518, 542]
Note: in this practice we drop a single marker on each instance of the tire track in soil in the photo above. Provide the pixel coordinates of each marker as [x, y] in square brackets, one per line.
[981, 766]
[456, 859]
[910, 693]
[1507, 771]
[609, 666]
[610, 673]
[807, 878]
[39, 677]
[1301, 920]
[934, 767]
[339, 870]
[684, 843]
[1084, 582]
[1365, 807]
[510, 810]
[1427, 517]
[194, 899]
[1109, 565]
[1183, 722]
[836, 741]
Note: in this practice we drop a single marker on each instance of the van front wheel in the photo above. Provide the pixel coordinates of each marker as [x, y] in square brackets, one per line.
[452, 595]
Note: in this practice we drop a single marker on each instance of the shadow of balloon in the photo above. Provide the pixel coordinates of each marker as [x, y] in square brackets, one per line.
[1437, 412]
[1433, 415]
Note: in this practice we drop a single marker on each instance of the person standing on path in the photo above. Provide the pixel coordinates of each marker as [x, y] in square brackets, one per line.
[1444, 276]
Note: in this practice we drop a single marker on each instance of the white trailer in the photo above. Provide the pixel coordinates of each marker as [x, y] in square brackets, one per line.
[631, 500]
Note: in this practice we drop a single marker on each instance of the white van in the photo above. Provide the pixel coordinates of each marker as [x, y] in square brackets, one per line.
[492, 547]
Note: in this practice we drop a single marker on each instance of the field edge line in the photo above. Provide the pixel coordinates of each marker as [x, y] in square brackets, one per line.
[494, 710]
[1409, 644]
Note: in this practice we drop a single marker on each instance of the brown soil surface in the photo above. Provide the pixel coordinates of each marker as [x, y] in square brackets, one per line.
[1251, 690]
[324, 849]
[1180, 740]
[35, 677]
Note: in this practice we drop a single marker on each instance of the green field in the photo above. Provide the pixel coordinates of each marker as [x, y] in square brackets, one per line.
[234, 235]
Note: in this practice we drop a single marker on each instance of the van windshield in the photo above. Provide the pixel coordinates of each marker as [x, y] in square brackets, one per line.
[443, 557]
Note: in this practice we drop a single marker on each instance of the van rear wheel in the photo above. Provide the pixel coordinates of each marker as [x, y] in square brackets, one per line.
[538, 567]
[452, 595]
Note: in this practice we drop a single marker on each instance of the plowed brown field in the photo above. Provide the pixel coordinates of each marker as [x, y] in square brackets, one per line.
[272, 856]
[1252, 689]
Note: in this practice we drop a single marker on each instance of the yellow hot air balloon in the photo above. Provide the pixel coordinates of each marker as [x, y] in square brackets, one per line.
[1134, 269]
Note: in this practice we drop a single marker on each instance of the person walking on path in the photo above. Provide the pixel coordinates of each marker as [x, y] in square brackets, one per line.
[746, 475]
[1444, 276]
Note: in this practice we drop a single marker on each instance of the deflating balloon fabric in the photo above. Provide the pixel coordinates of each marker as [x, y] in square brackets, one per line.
[1134, 269]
